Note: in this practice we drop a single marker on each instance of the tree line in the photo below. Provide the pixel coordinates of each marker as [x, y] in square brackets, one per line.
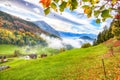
[19, 38]
[112, 32]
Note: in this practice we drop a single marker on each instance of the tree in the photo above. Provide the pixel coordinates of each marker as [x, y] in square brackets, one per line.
[101, 9]
[86, 45]
[116, 29]
[103, 36]
[5, 25]
[18, 38]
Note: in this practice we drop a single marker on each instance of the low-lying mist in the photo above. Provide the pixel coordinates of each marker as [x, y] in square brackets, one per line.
[61, 43]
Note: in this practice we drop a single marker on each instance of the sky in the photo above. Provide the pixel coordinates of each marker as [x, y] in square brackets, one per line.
[68, 21]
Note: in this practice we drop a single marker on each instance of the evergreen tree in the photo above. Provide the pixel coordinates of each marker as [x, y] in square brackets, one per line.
[105, 35]
[116, 28]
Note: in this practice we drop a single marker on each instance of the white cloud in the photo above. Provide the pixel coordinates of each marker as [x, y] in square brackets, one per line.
[61, 43]
[73, 42]
[53, 42]
[36, 10]
[36, 2]
[58, 43]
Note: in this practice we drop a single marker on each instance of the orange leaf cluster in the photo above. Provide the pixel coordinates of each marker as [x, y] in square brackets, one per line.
[45, 3]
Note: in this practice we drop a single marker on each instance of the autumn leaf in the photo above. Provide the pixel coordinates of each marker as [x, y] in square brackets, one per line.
[106, 14]
[117, 16]
[114, 1]
[53, 6]
[74, 5]
[98, 21]
[63, 6]
[45, 3]
[94, 1]
[96, 13]
[85, 0]
[87, 10]
[56, 1]
[47, 11]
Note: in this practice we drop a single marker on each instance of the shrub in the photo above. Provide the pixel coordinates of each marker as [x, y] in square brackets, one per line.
[17, 53]
[62, 49]
[86, 45]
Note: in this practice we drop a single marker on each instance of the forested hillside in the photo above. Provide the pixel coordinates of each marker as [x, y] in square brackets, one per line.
[112, 32]
[14, 30]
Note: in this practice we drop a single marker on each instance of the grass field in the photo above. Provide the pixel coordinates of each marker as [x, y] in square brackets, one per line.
[10, 49]
[76, 64]
[7, 49]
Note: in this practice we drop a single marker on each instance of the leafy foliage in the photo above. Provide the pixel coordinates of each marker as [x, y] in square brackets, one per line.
[101, 12]
[45, 3]
[46, 11]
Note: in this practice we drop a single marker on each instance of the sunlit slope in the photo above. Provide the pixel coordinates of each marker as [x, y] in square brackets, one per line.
[76, 64]
[9, 50]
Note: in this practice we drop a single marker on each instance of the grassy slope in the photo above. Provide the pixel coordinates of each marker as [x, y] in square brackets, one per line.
[7, 49]
[76, 64]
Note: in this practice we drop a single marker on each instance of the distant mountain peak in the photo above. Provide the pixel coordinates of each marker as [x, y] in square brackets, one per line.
[86, 37]
[46, 27]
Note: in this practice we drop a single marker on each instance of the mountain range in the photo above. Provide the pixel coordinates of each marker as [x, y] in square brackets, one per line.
[69, 34]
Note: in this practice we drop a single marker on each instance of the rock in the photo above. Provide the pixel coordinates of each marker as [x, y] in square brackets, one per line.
[4, 67]
[43, 55]
[33, 56]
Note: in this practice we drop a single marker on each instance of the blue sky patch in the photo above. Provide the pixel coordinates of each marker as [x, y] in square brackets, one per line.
[93, 22]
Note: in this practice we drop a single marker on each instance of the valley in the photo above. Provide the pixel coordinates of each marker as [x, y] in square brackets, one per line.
[59, 40]
[76, 64]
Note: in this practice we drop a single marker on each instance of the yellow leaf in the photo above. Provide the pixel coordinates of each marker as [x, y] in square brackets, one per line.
[87, 10]
[114, 1]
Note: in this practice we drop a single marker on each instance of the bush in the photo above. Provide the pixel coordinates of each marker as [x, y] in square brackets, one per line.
[62, 50]
[17, 53]
[86, 45]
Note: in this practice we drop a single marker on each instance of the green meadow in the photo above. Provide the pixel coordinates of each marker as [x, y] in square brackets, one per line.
[10, 49]
[76, 64]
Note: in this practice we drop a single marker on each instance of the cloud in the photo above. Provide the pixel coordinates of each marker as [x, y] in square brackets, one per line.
[73, 42]
[53, 42]
[58, 43]
[36, 10]
[62, 43]
[36, 2]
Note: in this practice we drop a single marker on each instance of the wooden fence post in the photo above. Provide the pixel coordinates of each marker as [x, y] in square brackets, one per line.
[104, 67]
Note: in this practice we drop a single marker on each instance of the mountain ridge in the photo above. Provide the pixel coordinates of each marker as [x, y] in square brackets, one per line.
[14, 22]
[69, 34]
[46, 27]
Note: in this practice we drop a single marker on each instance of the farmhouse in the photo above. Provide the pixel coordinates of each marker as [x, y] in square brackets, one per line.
[31, 56]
